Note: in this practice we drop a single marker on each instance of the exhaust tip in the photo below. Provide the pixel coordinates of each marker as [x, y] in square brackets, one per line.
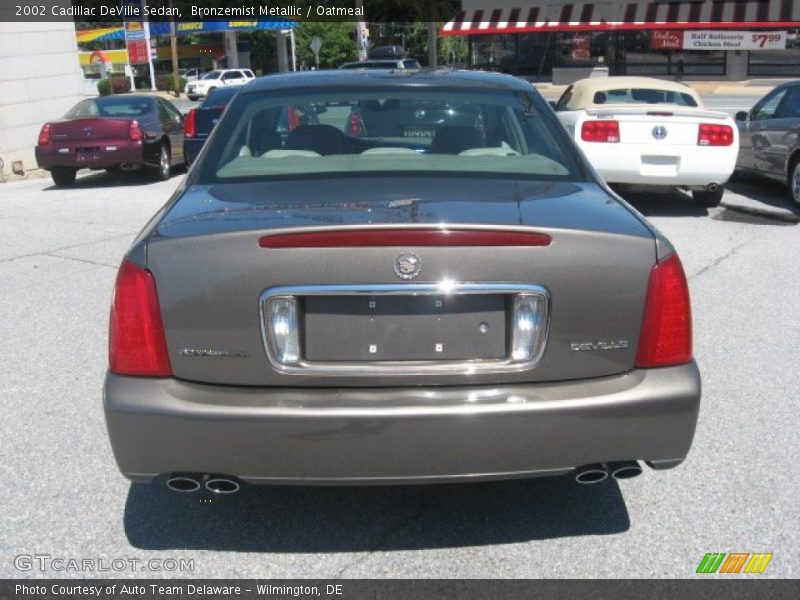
[625, 470]
[183, 484]
[591, 474]
[713, 187]
[222, 485]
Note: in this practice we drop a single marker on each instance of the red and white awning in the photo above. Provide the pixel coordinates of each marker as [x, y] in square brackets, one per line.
[588, 16]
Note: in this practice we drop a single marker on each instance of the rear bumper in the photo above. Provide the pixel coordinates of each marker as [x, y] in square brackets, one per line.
[104, 153]
[695, 166]
[399, 435]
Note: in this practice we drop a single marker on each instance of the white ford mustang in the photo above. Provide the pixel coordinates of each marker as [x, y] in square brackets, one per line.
[639, 130]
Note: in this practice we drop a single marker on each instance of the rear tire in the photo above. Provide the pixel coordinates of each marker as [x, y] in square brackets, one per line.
[708, 199]
[63, 176]
[162, 171]
[794, 182]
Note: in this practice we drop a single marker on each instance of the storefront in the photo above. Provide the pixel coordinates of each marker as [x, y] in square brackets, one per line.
[692, 39]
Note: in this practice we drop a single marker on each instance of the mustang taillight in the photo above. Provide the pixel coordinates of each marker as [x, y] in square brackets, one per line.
[190, 124]
[44, 135]
[600, 131]
[710, 134]
[666, 336]
[136, 342]
[351, 238]
[135, 132]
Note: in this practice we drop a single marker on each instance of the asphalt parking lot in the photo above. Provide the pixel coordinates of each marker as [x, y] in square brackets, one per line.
[737, 492]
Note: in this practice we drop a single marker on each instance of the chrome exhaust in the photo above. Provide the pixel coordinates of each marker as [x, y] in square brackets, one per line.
[713, 187]
[626, 469]
[591, 474]
[222, 485]
[184, 484]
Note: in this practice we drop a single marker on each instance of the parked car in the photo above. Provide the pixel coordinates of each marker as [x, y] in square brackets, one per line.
[770, 138]
[347, 310]
[640, 130]
[201, 120]
[190, 74]
[383, 63]
[217, 78]
[116, 133]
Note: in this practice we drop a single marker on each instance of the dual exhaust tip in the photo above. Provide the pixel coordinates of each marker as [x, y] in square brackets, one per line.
[625, 469]
[216, 484]
[221, 484]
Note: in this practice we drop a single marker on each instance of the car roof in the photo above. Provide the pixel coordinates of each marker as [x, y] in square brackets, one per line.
[445, 78]
[583, 90]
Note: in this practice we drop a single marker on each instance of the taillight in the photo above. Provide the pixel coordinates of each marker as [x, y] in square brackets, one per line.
[292, 118]
[714, 135]
[355, 125]
[356, 238]
[190, 125]
[666, 337]
[135, 132]
[600, 131]
[136, 342]
[44, 135]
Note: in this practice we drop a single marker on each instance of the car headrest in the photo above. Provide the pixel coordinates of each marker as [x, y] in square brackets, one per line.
[265, 140]
[455, 138]
[322, 139]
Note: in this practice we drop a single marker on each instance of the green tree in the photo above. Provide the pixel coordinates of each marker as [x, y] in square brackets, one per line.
[338, 43]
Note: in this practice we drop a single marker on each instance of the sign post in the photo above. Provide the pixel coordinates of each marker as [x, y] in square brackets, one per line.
[315, 45]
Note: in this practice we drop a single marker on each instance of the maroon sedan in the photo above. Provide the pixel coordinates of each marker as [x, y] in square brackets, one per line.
[117, 133]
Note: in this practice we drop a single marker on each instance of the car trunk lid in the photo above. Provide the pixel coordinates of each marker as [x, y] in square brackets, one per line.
[89, 129]
[362, 321]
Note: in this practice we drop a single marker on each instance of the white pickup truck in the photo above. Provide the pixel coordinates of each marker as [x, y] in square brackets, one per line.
[644, 131]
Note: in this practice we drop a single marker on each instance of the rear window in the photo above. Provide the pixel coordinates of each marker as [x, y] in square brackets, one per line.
[370, 132]
[643, 96]
[111, 107]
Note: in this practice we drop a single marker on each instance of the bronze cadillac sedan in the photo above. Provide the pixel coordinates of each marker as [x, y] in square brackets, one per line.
[396, 277]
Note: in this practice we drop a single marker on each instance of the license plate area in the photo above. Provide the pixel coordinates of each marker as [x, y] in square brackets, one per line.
[518, 326]
[87, 154]
[405, 328]
[419, 132]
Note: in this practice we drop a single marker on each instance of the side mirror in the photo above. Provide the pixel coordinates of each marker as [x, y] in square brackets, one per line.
[552, 104]
[741, 115]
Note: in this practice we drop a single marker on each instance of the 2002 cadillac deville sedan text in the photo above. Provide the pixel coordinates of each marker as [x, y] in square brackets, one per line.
[396, 277]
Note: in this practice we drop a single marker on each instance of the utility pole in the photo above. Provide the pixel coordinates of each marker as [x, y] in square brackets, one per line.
[283, 58]
[433, 57]
[361, 32]
[173, 42]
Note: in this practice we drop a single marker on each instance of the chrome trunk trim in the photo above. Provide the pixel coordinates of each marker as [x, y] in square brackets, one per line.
[468, 367]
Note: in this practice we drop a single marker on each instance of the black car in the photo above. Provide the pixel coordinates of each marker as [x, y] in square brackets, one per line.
[201, 120]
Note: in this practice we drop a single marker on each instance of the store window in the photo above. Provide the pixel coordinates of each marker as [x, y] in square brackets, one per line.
[642, 54]
[777, 63]
[494, 52]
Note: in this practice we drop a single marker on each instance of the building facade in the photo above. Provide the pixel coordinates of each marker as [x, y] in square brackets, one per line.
[40, 79]
[689, 39]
